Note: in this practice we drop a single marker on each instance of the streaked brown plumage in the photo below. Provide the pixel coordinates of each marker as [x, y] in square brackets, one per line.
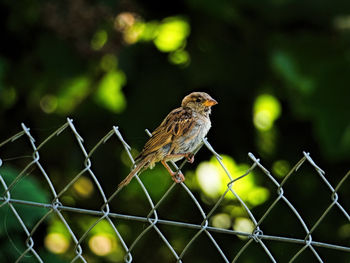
[177, 136]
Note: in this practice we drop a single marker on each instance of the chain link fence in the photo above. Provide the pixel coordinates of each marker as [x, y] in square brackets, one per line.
[152, 221]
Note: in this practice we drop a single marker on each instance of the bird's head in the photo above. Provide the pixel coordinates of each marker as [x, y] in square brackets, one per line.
[199, 101]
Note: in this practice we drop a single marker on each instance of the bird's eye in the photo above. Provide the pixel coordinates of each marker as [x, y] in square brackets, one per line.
[198, 100]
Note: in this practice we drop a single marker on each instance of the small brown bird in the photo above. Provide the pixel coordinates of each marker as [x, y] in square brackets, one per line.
[177, 136]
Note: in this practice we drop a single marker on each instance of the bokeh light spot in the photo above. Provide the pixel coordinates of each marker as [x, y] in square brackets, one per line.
[213, 180]
[83, 187]
[221, 220]
[48, 103]
[109, 93]
[267, 141]
[109, 62]
[101, 244]
[342, 22]
[179, 57]
[172, 34]
[257, 196]
[266, 110]
[72, 92]
[150, 31]
[169, 35]
[124, 20]
[133, 34]
[281, 168]
[208, 179]
[68, 200]
[243, 224]
[99, 40]
[344, 231]
[56, 242]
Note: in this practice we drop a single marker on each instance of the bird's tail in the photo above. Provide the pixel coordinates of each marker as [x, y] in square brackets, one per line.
[143, 163]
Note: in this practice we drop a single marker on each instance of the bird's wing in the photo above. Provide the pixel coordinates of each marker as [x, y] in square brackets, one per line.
[175, 124]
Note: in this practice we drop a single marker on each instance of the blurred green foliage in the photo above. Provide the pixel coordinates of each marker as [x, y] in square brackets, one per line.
[20, 191]
[280, 71]
[10, 229]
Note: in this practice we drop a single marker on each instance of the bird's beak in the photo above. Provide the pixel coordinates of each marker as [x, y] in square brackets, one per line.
[209, 103]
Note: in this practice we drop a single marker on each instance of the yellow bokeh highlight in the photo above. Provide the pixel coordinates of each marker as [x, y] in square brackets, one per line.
[243, 224]
[141, 31]
[134, 29]
[56, 243]
[266, 110]
[149, 31]
[48, 103]
[83, 187]
[221, 220]
[102, 244]
[134, 33]
[124, 20]
[213, 181]
[172, 34]
[234, 210]
[99, 40]
[109, 93]
[102, 238]
[58, 238]
[168, 35]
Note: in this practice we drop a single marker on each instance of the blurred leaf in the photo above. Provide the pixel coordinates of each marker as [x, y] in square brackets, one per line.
[72, 93]
[285, 65]
[26, 189]
[180, 57]
[109, 93]
[315, 78]
[99, 40]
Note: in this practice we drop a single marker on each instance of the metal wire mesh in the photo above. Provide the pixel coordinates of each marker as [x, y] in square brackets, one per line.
[152, 220]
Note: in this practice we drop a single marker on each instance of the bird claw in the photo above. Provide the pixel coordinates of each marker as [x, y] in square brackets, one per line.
[178, 177]
[190, 157]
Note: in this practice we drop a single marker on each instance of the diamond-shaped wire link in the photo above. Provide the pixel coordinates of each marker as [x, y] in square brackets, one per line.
[152, 218]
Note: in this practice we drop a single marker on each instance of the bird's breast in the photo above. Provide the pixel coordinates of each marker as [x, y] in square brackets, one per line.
[190, 141]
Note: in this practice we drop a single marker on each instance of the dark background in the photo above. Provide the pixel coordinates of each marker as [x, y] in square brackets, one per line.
[93, 61]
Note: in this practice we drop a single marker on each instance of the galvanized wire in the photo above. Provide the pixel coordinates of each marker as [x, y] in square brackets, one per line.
[152, 218]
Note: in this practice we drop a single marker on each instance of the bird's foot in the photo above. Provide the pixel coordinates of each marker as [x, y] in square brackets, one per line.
[189, 157]
[178, 177]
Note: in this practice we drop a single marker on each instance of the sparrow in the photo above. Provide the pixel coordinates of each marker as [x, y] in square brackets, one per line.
[177, 136]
